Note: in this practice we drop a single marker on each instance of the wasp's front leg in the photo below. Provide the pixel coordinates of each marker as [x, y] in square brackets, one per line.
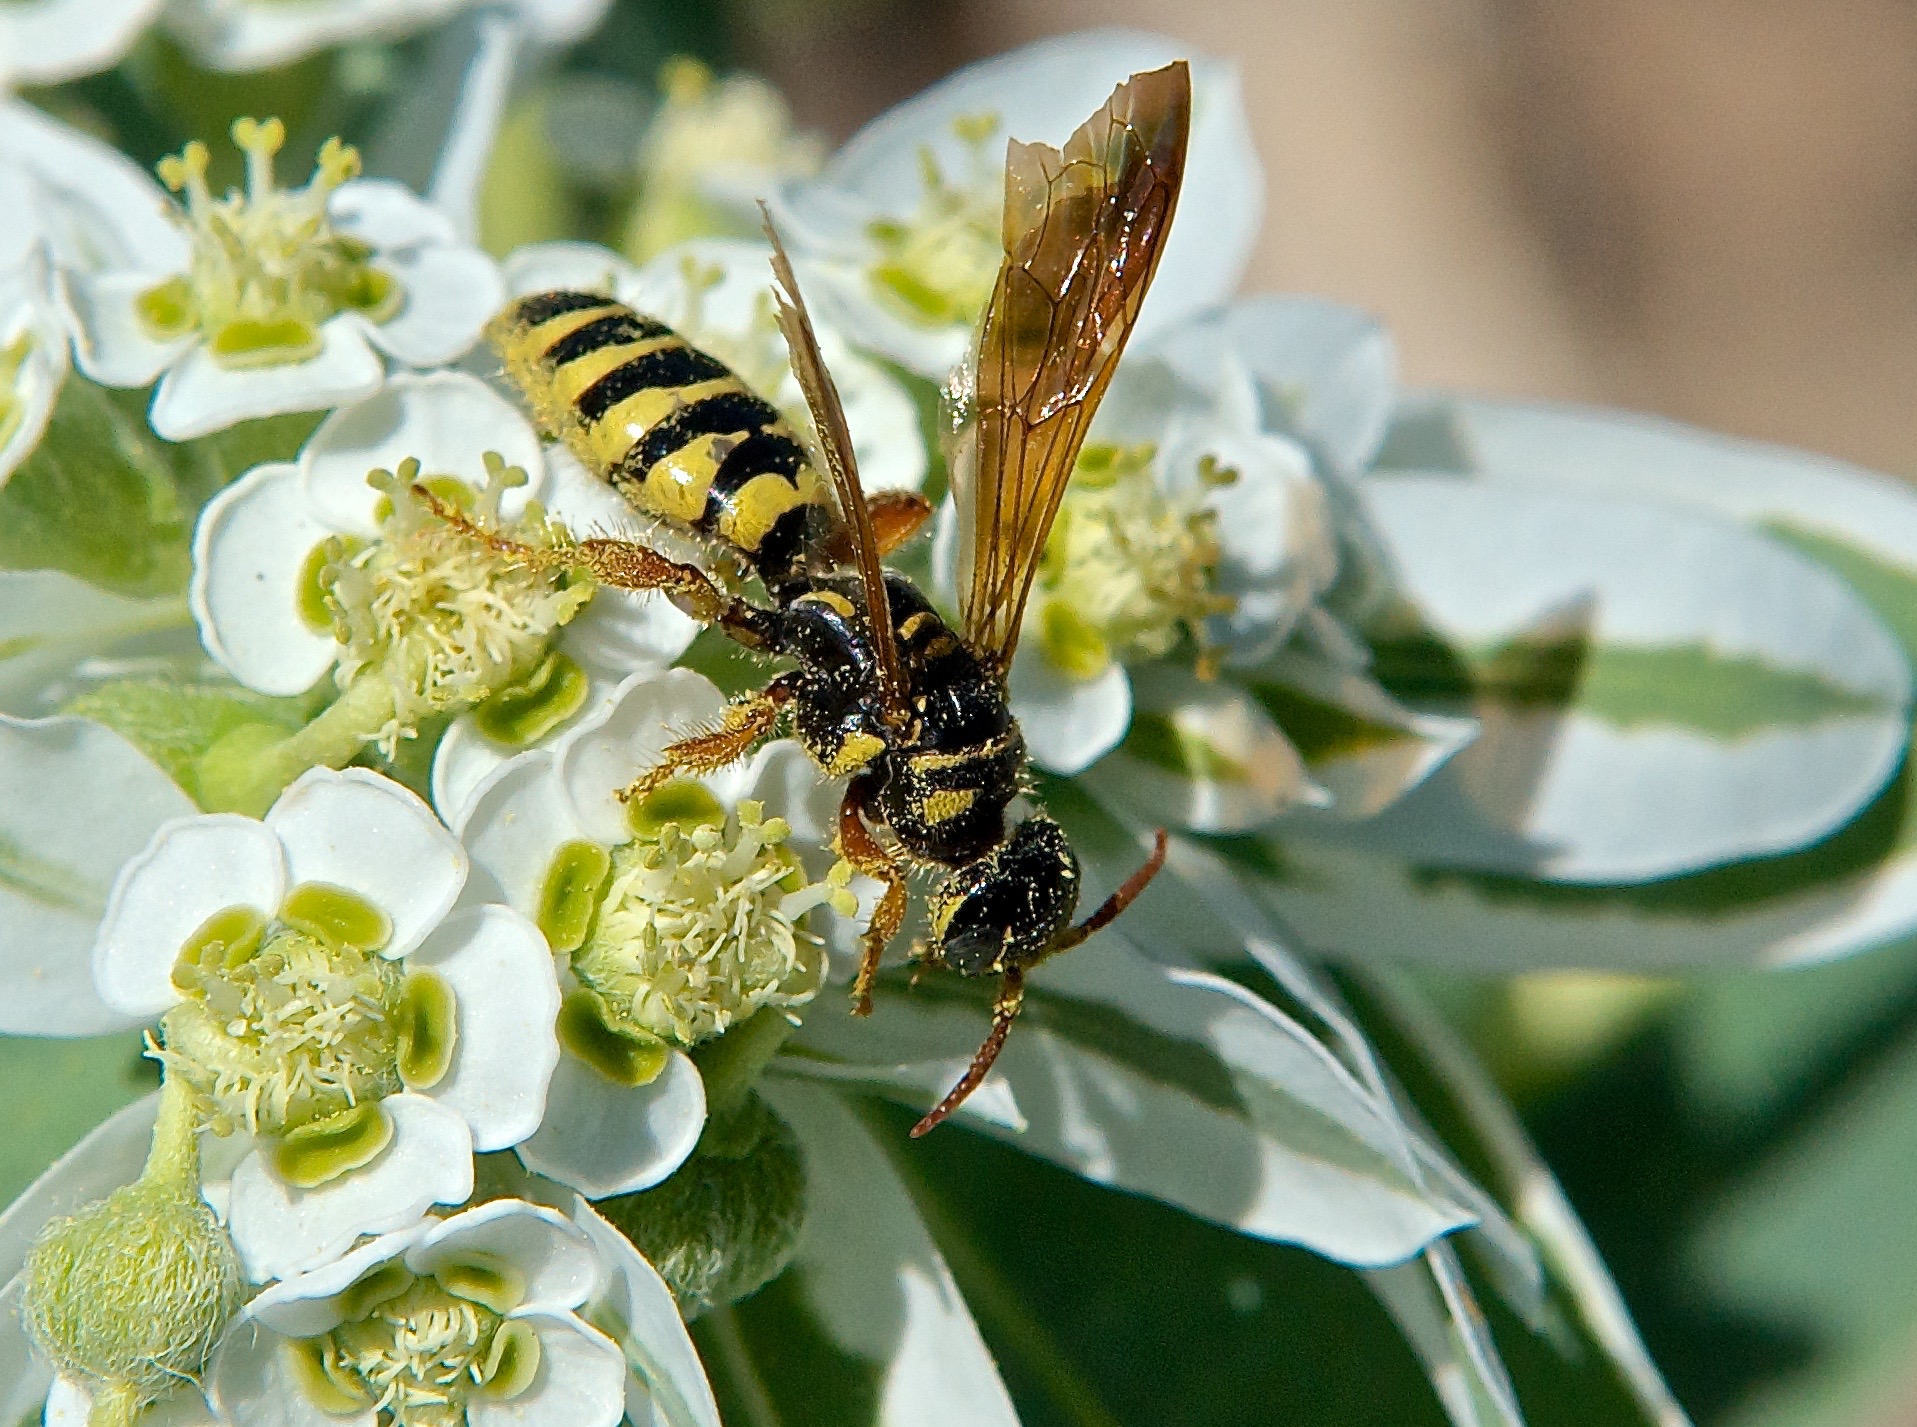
[859, 847]
[747, 720]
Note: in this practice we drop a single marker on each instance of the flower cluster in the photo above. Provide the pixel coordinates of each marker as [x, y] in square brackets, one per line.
[486, 1067]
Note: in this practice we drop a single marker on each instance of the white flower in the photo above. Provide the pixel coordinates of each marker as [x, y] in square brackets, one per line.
[899, 236]
[33, 360]
[49, 41]
[677, 919]
[265, 34]
[311, 983]
[712, 150]
[301, 568]
[485, 1319]
[716, 293]
[273, 300]
[87, 203]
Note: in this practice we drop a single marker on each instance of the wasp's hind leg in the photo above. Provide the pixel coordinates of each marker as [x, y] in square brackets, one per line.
[859, 847]
[747, 720]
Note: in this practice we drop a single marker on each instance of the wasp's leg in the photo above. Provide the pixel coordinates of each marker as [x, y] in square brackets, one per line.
[896, 517]
[624, 565]
[1011, 997]
[859, 847]
[747, 720]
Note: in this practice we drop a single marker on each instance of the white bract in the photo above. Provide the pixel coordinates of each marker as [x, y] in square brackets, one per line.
[48, 41]
[273, 300]
[265, 34]
[485, 1319]
[312, 982]
[900, 235]
[717, 293]
[33, 359]
[678, 917]
[304, 567]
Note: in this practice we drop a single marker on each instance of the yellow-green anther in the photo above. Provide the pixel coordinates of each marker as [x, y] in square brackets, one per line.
[223, 942]
[314, 1368]
[938, 266]
[1102, 464]
[13, 357]
[322, 1151]
[1074, 647]
[512, 1363]
[337, 915]
[530, 708]
[167, 310]
[484, 1279]
[428, 1016]
[376, 1286]
[570, 896]
[625, 1057]
[683, 802]
[314, 594]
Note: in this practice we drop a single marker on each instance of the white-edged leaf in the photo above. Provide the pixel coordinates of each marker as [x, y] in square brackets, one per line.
[875, 1285]
[1658, 689]
[1432, 1305]
[51, 623]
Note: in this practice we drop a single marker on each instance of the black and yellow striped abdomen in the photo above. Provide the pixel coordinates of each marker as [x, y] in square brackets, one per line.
[670, 427]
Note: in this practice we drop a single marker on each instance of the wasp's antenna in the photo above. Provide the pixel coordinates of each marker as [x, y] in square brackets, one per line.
[1011, 996]
[1116, 903]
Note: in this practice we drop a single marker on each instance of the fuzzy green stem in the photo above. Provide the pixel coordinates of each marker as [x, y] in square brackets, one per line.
[731, 1066]
[245, 771]
[115, 1404]
[174, 1161]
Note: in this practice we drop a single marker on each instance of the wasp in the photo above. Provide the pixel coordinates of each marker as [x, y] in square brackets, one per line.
[883, 691]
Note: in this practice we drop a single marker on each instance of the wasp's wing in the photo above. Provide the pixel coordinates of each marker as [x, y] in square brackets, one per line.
[1083, 231]
[835, 443]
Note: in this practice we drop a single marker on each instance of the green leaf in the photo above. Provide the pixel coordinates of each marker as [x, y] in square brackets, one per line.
[175, 724]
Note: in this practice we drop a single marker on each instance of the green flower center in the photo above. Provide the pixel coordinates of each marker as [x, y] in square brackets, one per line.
[295, 1027]
[938, 267]
[267, 268]
[683, 932]
[13, 406]
[1127, 570]
[445, 621]
[419, 1350]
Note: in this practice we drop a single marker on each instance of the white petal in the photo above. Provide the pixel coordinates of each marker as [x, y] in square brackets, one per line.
[384, 214]
[224, 36]
[250, 1383]
[887, 438]
[57, 40]
[1638, 788]
[95, 208]
[604, 1139]
[450, 294]
[249, 553]
[581, 1381]
[77, 802]
[280, 1230]
[557, 1259]
[586, 505]
[193, 868]
[501, 973]
[606, 754]
[466, 758]
[1042, 93]
[1069, 724]
[108, 341]
[447, 421]
[620, 632]
[51, 624]
[512, 825]
[1252, 775]
[876, 1283]
[68, 1405]
[307, 1304]
[357, 830]
[564, 22]
[675, 1385]
[198, 396]
[1327, 371]
[26, 311]
[581, 267]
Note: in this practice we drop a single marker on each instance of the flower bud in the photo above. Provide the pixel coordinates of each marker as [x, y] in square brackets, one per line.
[727, 1223]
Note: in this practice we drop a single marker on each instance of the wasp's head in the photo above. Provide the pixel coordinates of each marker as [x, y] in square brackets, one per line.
[1005, 909]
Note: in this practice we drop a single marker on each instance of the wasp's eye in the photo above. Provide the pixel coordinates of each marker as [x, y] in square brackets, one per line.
[1004, 909]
